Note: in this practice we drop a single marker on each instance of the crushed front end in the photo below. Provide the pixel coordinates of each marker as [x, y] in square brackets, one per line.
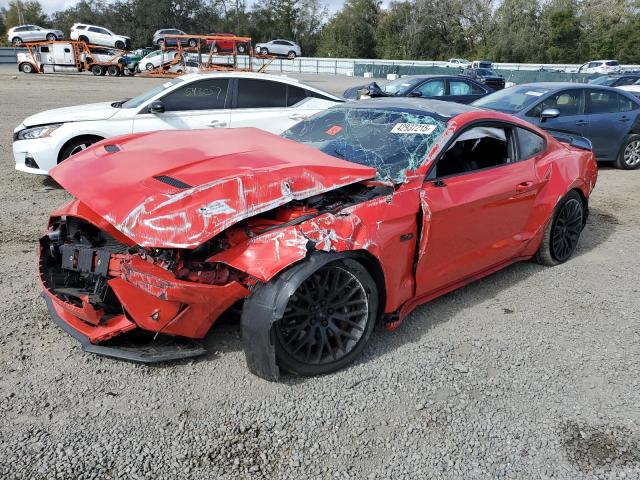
[121, 300]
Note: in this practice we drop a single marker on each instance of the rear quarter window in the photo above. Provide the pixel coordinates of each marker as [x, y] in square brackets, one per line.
[529, 144]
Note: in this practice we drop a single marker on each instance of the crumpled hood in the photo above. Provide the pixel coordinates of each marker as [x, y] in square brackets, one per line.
[179, 188]
[79, 113]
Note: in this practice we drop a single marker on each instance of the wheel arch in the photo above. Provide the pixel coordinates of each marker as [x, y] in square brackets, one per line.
[76, 138]
[268, 301]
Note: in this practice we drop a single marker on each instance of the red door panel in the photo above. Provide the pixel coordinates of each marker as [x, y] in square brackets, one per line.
[472, 222]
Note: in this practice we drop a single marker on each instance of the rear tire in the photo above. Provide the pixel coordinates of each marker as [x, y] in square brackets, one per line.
[193, 42]
[328, 319]
[51, 37]
[77, 145]
[291, 54]
[113, 71]
[563, 232]
[16, 42]
[629, 155]
[97, 70]
[120, 45]
[149, 66]
[84, 39]
[264, 51]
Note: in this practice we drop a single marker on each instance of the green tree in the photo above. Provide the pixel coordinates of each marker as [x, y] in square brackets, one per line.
[352, 31]
[20, 13]
[564, 40]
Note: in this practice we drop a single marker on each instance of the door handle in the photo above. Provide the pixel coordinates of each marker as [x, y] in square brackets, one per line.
[581, 122]
[524, 186]
[217, 123]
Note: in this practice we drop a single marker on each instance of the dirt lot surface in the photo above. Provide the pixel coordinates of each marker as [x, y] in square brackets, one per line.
[531, 373]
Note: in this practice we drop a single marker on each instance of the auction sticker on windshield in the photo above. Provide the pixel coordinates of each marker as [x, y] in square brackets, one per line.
[421, 128]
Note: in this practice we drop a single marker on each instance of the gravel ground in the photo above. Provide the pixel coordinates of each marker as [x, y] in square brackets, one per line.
[531, 373]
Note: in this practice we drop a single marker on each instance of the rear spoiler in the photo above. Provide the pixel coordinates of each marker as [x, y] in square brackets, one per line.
[572, 139]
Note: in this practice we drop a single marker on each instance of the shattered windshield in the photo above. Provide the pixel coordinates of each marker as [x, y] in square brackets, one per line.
[143, 97]
[400, 87]
[391, 141]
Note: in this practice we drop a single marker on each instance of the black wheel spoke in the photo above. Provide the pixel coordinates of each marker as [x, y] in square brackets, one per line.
[325, 318]
[566, 229]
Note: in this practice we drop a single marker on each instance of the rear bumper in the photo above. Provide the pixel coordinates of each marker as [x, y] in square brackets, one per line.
[150, 352]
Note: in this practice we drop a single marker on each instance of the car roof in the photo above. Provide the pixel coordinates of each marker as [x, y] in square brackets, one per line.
[258, 76]
[415, 105]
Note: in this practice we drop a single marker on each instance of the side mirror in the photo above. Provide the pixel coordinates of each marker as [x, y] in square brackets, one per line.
[415, 94]
[156, 107]
[549, 113]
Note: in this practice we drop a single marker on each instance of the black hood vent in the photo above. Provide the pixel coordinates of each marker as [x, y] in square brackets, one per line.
[174, 182]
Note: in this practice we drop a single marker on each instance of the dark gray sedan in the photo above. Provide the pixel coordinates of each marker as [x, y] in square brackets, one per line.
[608, 117]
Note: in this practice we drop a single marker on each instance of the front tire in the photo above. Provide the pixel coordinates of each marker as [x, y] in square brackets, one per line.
[77, 145]
[291, 54]
[120, 45]
[26, 68]
[562, 234]
[51, 37]
[328, 319]
[16, 42]
[264, 51]
[148, 67]
[629, 155]
[193, 42]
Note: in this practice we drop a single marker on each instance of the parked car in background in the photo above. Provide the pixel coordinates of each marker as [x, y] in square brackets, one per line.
[224, 45]
[213, 100]
[600, 66]
[485, 76]
[132, 59]
[32, 33]
[482, 64]
[160, 40]
[616, 80]
[96, 35]
[365, 208]
[155, 59]
[632, 89]
[608, 117]
[453, 88]
[458, 63]
[279, 47]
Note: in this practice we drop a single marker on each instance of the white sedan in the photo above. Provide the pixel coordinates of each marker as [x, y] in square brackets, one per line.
[193, 101]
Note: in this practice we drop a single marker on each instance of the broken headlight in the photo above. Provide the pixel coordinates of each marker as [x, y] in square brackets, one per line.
[37, 132]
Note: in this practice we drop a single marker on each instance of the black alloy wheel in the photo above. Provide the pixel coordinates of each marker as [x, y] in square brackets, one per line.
[566, 229]
[328, 319]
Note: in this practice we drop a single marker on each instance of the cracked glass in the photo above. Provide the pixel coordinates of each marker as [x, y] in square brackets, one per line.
[391, 141]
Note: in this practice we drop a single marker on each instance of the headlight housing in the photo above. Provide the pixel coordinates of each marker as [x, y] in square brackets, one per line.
[41, 131]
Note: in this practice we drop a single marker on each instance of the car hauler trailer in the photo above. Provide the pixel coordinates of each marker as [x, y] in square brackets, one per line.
[70, 56]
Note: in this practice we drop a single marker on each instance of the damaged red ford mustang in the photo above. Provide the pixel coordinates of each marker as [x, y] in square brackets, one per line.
[362, 212]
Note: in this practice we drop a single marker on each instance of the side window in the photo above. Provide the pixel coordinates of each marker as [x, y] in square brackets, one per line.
[603, 101]
[477, 148]
[626, 81]
[44, 49]
[530, 144]
[462, 87]
[67, 50]
[261, 94]
[295, 95]
[569, 102]
[207, 94]
[95, 30]
[432, 88]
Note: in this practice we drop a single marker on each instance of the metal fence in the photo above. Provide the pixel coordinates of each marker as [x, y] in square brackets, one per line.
[515, 72]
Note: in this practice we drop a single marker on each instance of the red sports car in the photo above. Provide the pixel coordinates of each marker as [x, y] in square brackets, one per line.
[361, 212]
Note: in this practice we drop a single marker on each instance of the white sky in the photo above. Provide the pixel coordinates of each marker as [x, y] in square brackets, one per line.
[50, 6]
